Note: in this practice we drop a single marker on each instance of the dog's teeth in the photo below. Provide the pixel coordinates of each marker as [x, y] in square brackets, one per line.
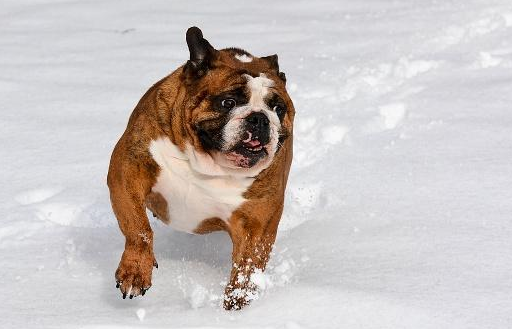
[253, 149]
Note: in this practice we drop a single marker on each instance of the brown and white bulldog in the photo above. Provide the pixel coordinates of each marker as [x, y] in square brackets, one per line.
[207, 148]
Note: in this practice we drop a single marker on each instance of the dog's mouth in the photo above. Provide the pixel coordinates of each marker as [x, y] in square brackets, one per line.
[248, 151]
[251, 143]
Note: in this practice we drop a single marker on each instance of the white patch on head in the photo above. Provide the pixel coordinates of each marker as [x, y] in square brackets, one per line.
[233, 130]
[258, 87]
[194, 186]
[243, 58]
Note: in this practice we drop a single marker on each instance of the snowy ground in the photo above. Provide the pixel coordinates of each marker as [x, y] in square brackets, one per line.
[399, 207]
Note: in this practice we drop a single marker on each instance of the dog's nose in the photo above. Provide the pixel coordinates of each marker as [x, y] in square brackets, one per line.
[259, 126]
[258, 120]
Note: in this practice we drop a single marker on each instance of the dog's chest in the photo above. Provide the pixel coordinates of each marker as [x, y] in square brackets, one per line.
[192, 197]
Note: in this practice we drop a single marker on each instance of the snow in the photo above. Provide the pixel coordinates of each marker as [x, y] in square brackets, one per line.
[399, 201]
[392, 114]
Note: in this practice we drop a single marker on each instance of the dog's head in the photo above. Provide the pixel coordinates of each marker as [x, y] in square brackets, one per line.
[238, 112]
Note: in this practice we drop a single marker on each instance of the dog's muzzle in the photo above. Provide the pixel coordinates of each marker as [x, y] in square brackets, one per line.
[257, 130]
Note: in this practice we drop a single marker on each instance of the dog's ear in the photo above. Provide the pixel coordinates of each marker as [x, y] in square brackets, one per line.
[201, 53]
[272, 61]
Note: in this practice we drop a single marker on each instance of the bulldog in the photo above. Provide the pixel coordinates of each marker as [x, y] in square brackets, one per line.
[207, 148]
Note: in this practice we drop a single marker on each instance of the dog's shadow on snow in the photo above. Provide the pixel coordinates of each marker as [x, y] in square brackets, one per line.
[101, 248]
[212, 249]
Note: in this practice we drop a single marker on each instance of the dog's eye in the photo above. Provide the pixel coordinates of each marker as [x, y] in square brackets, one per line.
[279, 110]
[228, 103]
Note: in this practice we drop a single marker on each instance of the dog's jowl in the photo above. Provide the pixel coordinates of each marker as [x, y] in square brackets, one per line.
[207, 148]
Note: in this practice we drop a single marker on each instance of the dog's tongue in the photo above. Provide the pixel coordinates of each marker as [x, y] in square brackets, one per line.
[253, 143]
[249, 141]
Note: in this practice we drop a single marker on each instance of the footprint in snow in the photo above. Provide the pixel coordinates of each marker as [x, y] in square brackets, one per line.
[50, 204]
[37, 195]
[78, 213]
[59, 213]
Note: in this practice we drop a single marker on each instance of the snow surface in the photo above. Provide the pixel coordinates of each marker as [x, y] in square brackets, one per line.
[399, 207]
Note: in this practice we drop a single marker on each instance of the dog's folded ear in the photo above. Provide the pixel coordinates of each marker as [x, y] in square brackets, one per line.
[272, 61]
[201, 53]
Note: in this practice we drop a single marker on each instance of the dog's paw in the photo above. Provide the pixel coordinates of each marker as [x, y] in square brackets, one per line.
[133, 276]
[237, 298]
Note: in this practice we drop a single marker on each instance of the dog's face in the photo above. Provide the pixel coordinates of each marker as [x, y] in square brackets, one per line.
[240, 112]
[243, 125]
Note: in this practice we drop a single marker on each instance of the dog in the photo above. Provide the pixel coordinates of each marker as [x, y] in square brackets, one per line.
[207, 148]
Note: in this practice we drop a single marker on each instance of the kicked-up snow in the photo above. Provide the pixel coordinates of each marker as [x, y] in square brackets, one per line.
[399, 205]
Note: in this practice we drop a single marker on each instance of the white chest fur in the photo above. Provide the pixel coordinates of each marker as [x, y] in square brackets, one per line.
[193, 196]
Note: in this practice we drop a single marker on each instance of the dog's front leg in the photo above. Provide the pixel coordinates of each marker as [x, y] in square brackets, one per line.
[252, 243]
[133, 276]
